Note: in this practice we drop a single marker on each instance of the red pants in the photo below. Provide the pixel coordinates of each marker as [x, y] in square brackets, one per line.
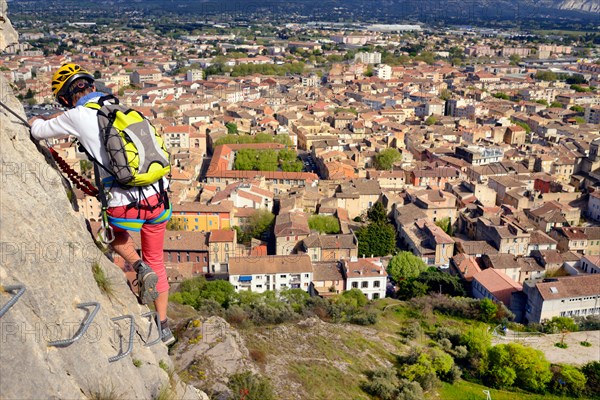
[152, 234]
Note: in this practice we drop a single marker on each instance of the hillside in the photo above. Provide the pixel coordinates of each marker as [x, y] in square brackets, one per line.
[312, 359]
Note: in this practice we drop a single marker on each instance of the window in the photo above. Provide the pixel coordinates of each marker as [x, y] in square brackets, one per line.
[376, 284]
[306, 275]
[283, 276]
[197, 258]
[226, 246]
[187, 256]
[375, 296]
[355, 285]
[364, 284]
[259, 286]
[205, 259]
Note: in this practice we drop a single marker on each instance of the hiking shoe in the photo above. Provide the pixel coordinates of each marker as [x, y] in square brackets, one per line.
[147, 280]
[167, 336]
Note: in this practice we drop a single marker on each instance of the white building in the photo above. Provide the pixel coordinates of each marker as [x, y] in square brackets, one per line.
[368, 58]
[590, 264]
[262, 273]
[569, 296]
[383, 72]
[593, 207]
[366, 274]
[194, 75]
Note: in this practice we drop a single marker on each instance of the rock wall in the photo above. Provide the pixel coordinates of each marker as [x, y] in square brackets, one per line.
[45, 246]
[8, 35]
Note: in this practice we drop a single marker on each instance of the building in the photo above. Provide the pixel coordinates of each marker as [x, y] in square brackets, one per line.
[383, 72]
[194, 75]
[592, 115]
[495, 285]
[429, 242]
[590, 264]
[290, 229]
[195, 216]
[261, 273]
[328, 279]
[478, 155]
[368, 58]
[366, 274]
[569, 296]
[593, 206]
[330, 247]
[222, 244]
[141, 76]
[570, 239]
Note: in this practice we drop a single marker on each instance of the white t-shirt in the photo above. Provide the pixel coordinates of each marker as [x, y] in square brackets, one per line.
[82, 122]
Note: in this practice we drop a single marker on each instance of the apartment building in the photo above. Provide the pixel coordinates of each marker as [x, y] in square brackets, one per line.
[261, 273]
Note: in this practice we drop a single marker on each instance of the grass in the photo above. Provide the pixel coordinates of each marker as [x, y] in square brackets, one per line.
[166, 393]
[463, 390]
[585, 343]
[322, 381]
[104, 283]
[105, 392]
[137, 363]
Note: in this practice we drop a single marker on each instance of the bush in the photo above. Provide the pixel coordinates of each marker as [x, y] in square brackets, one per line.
[410, 391]
[248, 386]
[567, 380]
[364, 318]
[382, 383]
[591, 371]
[236, 315]
[514, 364]
[561, 345]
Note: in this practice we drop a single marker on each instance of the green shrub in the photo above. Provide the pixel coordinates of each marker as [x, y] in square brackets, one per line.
[382, 383]
[585, 343]
[561, 345]
[591, 371]
[104, 283]
[248, 386]
[567, 380]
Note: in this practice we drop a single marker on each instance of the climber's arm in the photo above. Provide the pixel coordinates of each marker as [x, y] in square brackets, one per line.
[55, 125]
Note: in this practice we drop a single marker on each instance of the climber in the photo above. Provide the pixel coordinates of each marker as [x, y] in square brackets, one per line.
[141, 209]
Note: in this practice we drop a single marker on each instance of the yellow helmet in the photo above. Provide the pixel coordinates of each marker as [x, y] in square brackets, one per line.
[63, 78]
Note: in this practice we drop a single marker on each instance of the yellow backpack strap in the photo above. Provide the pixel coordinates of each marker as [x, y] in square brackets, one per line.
[93, 105]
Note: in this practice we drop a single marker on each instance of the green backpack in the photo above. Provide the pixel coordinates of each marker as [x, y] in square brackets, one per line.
[137, 153]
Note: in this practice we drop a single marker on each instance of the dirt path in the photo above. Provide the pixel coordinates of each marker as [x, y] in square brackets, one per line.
[575, 353]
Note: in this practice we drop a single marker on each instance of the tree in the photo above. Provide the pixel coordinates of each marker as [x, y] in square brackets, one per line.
[376, 239]
[385, 159]
[556, 104]
[324, 224]
[405, 265]
[377, 213]
[259, 223]
[436, 280]
[562, 325]
[488, 309]
[546, 76]
[578, 109]
[232, 128]
[445, 225]
[431, 120]
[531, 369]
[514, 59]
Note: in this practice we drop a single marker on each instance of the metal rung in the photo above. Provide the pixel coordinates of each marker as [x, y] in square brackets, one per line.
[154, 314]
[20, 290]
[131, 333]
[84, 325]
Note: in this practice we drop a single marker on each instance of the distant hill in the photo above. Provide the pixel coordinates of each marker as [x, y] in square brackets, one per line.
[383, 11]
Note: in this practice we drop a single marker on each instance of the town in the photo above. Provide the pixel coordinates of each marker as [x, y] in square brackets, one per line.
[366, 200]
[481, 148]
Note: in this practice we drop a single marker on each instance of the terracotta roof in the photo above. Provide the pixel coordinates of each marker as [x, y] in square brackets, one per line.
[339, 241]
[295, 263]
[363, 267]
[498, 284]
[569, 287]
[327, 271]
[221, 235]
[291, 223]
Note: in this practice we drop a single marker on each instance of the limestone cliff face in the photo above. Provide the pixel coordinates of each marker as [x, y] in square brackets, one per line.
[8, 35]
[44, 245]
[591, 6]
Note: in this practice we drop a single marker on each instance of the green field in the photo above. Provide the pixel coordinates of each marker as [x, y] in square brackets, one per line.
[464, 390]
